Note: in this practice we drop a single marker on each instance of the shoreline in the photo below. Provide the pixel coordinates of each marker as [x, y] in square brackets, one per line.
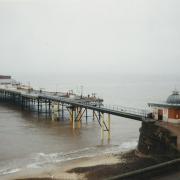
[60, 170]
[91, 168]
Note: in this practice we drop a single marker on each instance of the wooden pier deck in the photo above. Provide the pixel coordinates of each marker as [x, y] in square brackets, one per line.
[54, 104]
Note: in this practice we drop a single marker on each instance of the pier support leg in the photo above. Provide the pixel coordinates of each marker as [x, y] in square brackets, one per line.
[70, 113]
[46, 111]
[49, 104]
[38, 106]
[22, 103]
[55, 110]
[73, 118]
[58, 113]
[102, 127]
[29, 104]
[109, 127]
[93, 115]
[62, 112]
[46, 106]
[41, 105]
[79, 117]
[86, 115]
[74, 115]
[99, 115]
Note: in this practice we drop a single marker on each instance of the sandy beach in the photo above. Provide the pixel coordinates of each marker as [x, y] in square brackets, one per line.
[65, 170]
[91, 168]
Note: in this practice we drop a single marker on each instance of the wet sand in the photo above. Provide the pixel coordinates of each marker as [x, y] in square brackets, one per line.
[62, 171]
[92, 168]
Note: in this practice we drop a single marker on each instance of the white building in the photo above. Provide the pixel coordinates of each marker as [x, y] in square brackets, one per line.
[168, 111]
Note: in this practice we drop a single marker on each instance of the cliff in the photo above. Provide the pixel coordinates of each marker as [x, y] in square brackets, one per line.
[157, 140]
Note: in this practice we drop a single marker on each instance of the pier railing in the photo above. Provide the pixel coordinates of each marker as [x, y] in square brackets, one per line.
[130, 110]
[88, 103]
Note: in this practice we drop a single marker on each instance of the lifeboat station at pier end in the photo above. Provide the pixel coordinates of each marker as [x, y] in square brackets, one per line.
[168, 111]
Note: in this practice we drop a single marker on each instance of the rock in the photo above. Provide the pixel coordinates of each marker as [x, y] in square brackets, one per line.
[155, 140]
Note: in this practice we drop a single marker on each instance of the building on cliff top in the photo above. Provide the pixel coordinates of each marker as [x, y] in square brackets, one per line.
[168, 111]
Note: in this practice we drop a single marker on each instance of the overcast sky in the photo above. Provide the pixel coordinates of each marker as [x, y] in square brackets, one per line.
[131, 36]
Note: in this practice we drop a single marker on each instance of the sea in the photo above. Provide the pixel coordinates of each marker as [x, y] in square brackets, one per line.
[29, 141]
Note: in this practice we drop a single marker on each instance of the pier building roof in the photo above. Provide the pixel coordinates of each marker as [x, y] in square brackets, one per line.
[173, 101]
[174, 98]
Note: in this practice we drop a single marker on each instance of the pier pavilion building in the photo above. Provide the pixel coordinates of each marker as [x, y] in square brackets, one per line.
[168, 111]
[5, 79]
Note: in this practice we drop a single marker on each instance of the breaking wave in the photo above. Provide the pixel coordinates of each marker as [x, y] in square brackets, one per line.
[40, 160]
[8, 171]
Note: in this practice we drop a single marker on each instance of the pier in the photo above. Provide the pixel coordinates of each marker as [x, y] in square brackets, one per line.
[54, 104]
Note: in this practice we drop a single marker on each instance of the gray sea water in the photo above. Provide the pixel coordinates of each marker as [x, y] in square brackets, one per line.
[30, 142]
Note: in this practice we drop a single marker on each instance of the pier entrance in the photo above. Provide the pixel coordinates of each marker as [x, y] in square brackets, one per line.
[160, 114]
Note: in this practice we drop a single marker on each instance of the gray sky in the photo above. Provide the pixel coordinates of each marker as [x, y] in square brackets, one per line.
[90, 36]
